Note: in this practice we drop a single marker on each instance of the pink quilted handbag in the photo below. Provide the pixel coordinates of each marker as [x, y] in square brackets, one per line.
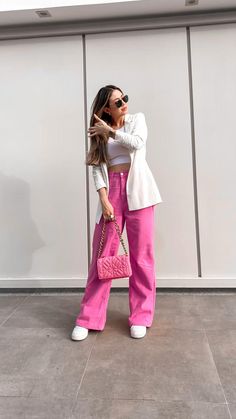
[111, 267]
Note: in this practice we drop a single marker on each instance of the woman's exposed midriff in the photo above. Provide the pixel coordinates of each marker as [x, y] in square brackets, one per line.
[119, 167]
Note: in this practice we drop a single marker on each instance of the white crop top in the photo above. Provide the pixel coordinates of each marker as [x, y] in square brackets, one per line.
[117, 153]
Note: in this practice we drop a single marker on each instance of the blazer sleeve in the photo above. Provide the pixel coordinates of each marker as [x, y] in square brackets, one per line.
[98, 178]
[138, 137]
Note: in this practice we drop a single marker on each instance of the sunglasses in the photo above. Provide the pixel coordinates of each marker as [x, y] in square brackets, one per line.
[119, 102]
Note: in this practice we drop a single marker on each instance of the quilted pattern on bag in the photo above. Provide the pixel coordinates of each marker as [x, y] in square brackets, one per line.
[111, 267]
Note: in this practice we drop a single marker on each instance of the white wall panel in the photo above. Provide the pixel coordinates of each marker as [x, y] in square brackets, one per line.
[42, 171]
[151, 66]
[214, 89]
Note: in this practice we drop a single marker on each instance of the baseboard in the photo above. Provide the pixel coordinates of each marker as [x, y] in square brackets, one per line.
[80, 283]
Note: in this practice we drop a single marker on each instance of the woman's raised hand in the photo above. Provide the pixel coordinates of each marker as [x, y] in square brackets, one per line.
[100, 128]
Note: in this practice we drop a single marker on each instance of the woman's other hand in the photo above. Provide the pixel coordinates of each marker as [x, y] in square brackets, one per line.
[100, 128]
[107, 209]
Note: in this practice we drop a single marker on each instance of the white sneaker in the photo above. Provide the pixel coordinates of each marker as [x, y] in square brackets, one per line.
[137, 331]
[79, 333]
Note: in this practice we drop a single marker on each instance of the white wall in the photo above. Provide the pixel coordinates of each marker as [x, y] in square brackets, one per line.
[43, 215]
[42, 171]
[214, 69]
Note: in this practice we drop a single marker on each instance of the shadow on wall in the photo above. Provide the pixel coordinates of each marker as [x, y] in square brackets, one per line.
[19, 237]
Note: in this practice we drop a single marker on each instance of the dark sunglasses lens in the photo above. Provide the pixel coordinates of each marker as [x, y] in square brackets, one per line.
[126, 98]
[119, 103]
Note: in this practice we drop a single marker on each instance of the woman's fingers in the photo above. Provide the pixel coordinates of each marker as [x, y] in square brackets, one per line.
[99, 128]
[108, 216]
[99, 119]
[95, 129]
[92, 132]
[95, 132]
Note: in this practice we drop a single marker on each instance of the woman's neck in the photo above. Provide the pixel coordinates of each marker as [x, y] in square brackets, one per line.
[119, 123]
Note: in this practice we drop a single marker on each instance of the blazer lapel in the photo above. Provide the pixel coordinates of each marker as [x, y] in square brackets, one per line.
[128, 119]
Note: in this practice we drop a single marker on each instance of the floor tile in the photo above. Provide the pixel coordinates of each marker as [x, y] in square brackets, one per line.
[46, 311]
[140, 409]
[32, 408]
[8, 303]
[165, 365]
[223, 348]
[41, 361]
[177, 311]
[217, 311]
[16, 385]
[232, 408]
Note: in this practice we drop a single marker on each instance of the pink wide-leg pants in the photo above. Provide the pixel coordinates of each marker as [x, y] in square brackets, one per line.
[142, 282]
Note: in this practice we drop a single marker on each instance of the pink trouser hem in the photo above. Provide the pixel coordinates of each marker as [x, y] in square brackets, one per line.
[88, 326]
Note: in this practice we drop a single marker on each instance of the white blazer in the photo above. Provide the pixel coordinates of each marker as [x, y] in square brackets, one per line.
[141, 188]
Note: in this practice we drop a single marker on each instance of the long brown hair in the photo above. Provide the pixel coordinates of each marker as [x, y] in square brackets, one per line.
[97, 153]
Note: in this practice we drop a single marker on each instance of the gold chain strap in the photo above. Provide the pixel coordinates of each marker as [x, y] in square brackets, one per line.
[103, 235]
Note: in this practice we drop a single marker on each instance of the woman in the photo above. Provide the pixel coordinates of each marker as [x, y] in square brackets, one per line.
[128, 192]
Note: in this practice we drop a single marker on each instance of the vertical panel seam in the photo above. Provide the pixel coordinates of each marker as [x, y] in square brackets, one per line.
[193, 151]
[86, 146]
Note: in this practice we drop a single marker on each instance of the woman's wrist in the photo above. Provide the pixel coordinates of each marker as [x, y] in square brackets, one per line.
[104, 200]
[112, 133]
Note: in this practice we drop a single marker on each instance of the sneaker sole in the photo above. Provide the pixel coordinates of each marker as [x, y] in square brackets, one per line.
[138, 337]
[78, 338]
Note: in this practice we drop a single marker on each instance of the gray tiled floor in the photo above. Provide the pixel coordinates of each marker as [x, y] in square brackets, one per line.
[184, 368]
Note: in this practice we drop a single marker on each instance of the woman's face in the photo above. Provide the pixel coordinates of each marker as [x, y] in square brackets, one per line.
[112, 109]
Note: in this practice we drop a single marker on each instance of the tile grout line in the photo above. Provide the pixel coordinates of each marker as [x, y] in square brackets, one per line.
[154, 400]
[16, 308]
[85, 368]
[132, 399]
[211, 354]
